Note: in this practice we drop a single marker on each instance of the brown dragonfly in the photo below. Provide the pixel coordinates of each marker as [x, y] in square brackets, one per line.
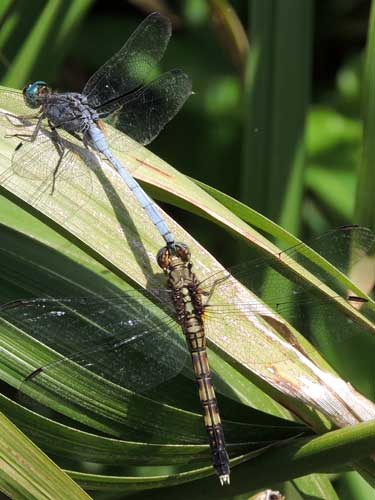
[133, 340]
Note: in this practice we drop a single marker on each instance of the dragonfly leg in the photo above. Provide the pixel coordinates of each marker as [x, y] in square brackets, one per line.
[60, 148]
[19, 118]
[86, 143]
[216, 283]
[28, 137]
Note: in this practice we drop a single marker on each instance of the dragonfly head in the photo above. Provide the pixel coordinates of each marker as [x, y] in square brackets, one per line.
[34, 92]
[168, 258]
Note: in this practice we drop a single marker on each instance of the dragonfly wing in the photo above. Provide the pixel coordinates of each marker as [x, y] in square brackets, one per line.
[13, 101]
[34, 175]
[121, 340]
[145, 113]
[132, 65]
[295, 300]
[342, 247]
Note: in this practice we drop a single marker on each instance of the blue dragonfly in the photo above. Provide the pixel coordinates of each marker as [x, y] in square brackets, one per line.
[118, 93]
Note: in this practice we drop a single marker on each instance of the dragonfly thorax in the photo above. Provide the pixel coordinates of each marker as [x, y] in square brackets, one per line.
[35, 92]
[71, 112]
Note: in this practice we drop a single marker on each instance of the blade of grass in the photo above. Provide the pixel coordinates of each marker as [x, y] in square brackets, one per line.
[365, 205]
[334, 450]
[99, 226]
[230, 32]
[26, 472]
[277, 86]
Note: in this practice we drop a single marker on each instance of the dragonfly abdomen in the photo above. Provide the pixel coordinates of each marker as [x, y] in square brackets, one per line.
[212, 420]
[97, 140]
[189, 306]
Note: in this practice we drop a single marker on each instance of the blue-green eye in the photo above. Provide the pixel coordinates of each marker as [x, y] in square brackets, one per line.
[33, 91]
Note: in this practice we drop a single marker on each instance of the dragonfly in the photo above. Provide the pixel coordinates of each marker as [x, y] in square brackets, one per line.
[188, 303]
[132, 339]
[118, 93]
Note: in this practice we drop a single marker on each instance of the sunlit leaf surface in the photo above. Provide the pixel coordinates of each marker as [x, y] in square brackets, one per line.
[95, 210]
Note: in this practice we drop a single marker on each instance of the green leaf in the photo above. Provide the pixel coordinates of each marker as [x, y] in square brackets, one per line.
[352, 484]
[277, 89]
[26, 472]
[335, 449]
[314, 485]
[365, 206]
[99, 214]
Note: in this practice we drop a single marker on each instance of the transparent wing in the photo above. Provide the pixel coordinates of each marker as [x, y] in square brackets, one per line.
[295, 300]
[132, 65]
[122, 339]
[126, 340]
[343, 247]
[13, 101]
[146, 112]
[36, 171]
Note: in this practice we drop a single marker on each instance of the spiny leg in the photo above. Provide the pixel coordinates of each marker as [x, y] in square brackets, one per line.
[28, 137]
[209, 294]
[10, 119]
[60, 148]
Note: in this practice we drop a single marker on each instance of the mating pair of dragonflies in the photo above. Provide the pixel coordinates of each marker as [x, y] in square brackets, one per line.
[92, 332]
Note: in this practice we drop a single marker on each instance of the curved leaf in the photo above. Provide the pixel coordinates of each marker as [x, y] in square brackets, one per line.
[335, 449]
[26, 472]
[106, 222]
[100, 221]
[68, 442]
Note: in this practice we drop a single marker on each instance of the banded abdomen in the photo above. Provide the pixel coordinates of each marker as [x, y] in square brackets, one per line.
[187, 300]
[197, 345]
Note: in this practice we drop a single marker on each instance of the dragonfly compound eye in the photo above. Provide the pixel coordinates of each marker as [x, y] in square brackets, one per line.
[168, 257]
[163, 257]
[33, 93]
[183, 252]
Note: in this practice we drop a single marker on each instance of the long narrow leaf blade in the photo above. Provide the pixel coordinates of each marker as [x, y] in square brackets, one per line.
[25, 472]
[101, 220]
